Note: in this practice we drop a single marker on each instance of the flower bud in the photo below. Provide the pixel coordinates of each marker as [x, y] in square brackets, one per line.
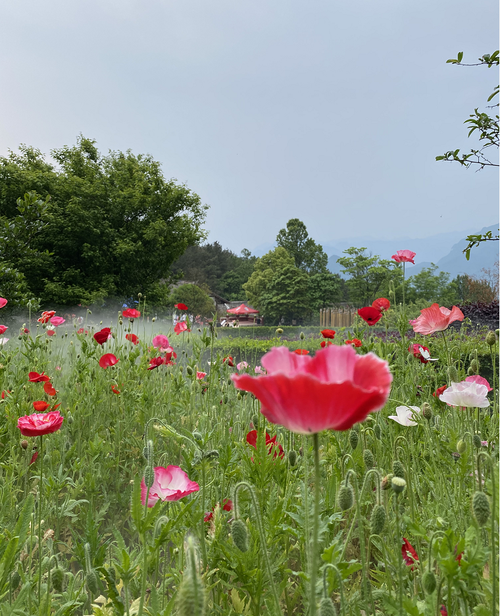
[93, 582]
[353, 439]
[345, 497]
[326, 607]
[24, 444]
[191, 596]
[398, 484]
[429, 582]
[197, 437]
[239, 535]
[149, 476]
[453, 374]
[427, 411]
[461, 446]
[211, 455]
[398, 470]
[15, 580]
[255, 421]
[189, 370]
[57, 579]
[292, 457]
[368, 458]
[481, 508]
[378, 432]
[279, 331]
[139, 295]
[476, 439]
[491, 339]
[377, 520]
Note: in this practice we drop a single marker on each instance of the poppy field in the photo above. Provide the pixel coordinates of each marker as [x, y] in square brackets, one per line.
[144, 471]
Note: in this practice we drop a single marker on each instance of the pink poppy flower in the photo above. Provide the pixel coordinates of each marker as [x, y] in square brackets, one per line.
[382, 304]
[132, 338]
[46, 316]
[131, 313]
[39, 424]
[436, 319]
[259, 370]
[181, 327]
[370, 315]
[242, 365]
[57, 321]
[3, 302]
[181, 306]
[51, 330]
[3, 329]
[405, 415]
[170, 484]
[201, 375]
[160, 341]
[103, 335]
[479, 380]
[107, 360]
[466, 394]
[331, 391]
[404, 256]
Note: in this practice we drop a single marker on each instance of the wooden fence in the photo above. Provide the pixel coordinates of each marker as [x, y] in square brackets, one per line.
[336, 317]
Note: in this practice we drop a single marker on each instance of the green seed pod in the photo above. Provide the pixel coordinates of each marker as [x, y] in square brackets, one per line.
[378, 432]
[326, 607]
[368, 458]
[427, 411]
[353, 439]
[15, 580]
[474, 365]
[292, 457]
[239, 535]
[453, 374]
[491, 339]
[93, 582]
[345, 497]
[398, 484]
[429, 582]
[57, 579]
[377, 520]
[461, 446]
[149, 476]
[279, 331]
[225, 399]
[239, 396]
[481, 508]
[191, 595]
[255, 421]
[302, 335]
[476, 439]
[398, 470]
[189, 370]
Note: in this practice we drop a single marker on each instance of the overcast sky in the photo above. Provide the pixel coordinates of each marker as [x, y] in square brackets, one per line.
[329, 111]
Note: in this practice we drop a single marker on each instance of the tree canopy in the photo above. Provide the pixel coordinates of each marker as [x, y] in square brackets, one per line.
[307, 255]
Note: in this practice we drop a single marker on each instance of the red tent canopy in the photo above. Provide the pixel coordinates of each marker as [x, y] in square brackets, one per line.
[243, 310]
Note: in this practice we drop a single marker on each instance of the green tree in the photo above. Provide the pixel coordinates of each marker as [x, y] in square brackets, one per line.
[195, 298]
[368, 276]
[432, 287]
[287, 295]
[114, 223]
[264, 269]
[324, 289]
[306, 254]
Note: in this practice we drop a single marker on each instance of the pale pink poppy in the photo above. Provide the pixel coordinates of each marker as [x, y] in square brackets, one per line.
[3, 341]
[57, 321]
[259, 370]
[170, 484]
[436, 319]
[242, 365]
[181, 327]
[160, 341]
[201, 375]
[404, 256]
[466, 395]
[3, 302]
[405, 415]
[478, 379]
[331, 391]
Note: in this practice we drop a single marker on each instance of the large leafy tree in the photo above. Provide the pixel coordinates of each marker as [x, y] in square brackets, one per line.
[195, 298]
[287, 295]
[307, 255]
[114, 223]
[265, 269]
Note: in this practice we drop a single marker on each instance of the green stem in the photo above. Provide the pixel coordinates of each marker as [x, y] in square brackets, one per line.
[400, 560]
[361, 528]
[341, 586]
[314, 550]
[145, 562]
[40, 500]
[448, 356]
[203, 545]
[494, 585]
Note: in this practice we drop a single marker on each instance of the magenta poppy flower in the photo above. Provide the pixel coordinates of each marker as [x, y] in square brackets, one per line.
[436, 319]
[404, 256]
[3, 329]
[200, 375]
[39, 424]
[35, 377]
[466, 394]
[479, 380]
[103, 335]
[382, 304]
[170, 484]
[331, 391]
[160, 342]
[57, 321]
[132, 338]
[181, 306]
[370, 315]
[181, 327]
[131, 313]
[107, 360]
[3, 302]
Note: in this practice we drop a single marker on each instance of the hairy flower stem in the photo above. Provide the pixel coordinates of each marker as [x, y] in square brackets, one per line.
[448, 356]
[366, 583]
[494, 585]
[202, 524]
[40, 500]
[400, 559]
[341, 586]
[145, 562]
[314, 547]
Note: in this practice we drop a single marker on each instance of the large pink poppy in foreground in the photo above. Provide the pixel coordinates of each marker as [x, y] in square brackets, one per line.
[331, 391]
[170, 484]
[436, 319]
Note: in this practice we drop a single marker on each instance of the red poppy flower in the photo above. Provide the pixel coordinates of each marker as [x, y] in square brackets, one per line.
[181, 327]
[325, 343]
[227, 505]
[331, 391]
[328, 333]
[51, 332]
[3, 329]
[3, 302]
[439, 391]
[132, 338]
[301, 352]
[370, 315]
[39, 424]
[131, 313]
[443, 611]
[4, 394]
[40, 406]
[229, 361]
[103, 335]
[84, 331]
[115, 390]
[404, 256]
[33, 458]
[154, 362]
[34, 377]
[408, 553]
[49, 389]
[381, 304]
[107, 360]
[416, 349]
[181, 306]
[46, 316]
[355, 342]
[25, 331]
[270, 443]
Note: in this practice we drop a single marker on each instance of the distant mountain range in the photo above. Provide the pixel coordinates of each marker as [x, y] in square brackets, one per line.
[444, 250]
